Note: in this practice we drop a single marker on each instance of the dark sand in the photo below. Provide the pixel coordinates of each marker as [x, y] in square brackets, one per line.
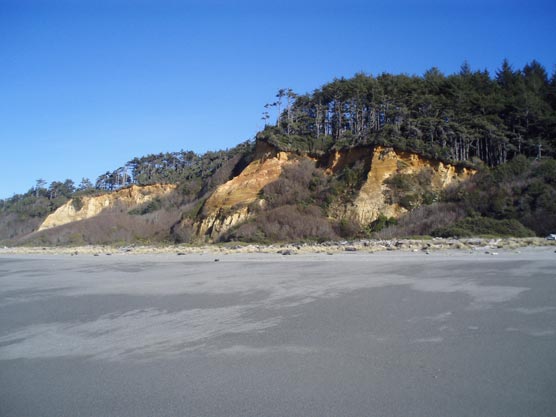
[453, 333]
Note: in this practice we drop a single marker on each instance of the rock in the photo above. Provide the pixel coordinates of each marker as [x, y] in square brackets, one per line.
[181, 253]
[350, 249]
[285, 252]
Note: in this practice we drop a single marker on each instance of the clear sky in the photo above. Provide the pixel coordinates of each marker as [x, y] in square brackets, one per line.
[86, 86]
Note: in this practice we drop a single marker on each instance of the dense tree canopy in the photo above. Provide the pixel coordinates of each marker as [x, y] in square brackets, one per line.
[170, 167]
[455, 118]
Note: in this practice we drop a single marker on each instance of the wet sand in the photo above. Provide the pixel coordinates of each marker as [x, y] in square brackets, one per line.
[414, 332]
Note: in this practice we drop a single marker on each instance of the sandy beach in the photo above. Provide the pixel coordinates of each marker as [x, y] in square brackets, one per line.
[395, 328]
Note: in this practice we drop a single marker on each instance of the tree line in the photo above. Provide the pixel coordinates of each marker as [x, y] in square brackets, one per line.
[461, 117]
[169, 168]
[195, 173]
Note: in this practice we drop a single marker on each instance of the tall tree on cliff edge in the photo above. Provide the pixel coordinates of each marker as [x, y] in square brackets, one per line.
[455, 118]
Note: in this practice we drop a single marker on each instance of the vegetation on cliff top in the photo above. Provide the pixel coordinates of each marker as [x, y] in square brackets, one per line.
[457, 118]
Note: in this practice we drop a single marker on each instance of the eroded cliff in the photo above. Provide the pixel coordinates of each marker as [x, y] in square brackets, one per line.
[230, 203]
[370, 201]
[240, 198]
[87, 207]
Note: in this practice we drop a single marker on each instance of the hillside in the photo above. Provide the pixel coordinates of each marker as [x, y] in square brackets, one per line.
[285, 195]
[392, 155]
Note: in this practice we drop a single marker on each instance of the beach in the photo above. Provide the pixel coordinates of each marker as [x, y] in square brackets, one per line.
[332, 247]
[412, 327]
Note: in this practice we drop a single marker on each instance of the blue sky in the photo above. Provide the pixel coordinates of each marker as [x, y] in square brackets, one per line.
[86, 86]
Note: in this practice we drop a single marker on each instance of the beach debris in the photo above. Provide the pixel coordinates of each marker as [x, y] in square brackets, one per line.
[181, 253]
[217, 260]
[285, 252]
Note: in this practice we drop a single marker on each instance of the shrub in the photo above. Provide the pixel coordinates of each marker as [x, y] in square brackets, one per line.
[77, 203]
[382, 222]
[148, 207]
[285, 223]
[476, 226]
[422, 221]
[410, 190]
[521, 189]
[546, 170]
[348, 228]
[183, 232]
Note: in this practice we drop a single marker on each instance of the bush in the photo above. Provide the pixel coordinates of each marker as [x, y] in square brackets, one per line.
[77, 203]
[422, 221]
[293, 186]
[183, 231]
[149, 207]
[521, 189]
[348, 228]
[477, 226]
[546, 170]
[410, 190]
[285, 223]
[382, 222]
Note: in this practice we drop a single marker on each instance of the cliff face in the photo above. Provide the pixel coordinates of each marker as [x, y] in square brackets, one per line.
[229, 204]
[92, 206]
[233, 202]
[386, 162]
